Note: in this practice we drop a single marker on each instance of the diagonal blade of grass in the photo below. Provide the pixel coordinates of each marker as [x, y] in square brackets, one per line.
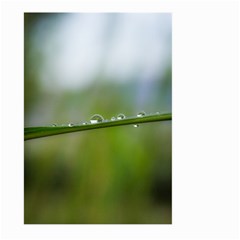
[38, 132]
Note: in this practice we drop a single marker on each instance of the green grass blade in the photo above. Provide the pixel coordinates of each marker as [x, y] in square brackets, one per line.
[38, 132]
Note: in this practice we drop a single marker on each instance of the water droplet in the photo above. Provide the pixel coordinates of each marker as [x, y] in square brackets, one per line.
[54, 125]
[96, 118]
[120, 116]
[85, 123]
[70, 124]
[135, 125]
[141, 114]
[157, 112]
[113, 118]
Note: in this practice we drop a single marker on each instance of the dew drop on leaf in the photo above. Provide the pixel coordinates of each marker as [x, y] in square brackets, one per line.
[120, 116]
[135, 125]
[96, 118]
[113, 118]
[54, 125]
[141, 114]
[85, 123]
[70, 124]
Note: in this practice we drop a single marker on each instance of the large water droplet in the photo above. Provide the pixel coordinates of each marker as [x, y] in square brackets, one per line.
[120, 116]
[141, 114]
[96, 118]
[70, 124]
[135, 125]
[113, 118]
[54, 125]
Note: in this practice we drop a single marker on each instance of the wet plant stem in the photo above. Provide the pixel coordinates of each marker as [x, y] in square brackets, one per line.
[45, 131]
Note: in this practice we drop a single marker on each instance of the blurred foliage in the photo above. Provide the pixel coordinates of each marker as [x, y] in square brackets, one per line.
[116, 175]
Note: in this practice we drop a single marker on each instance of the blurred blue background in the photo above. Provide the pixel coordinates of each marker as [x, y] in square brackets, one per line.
[76, 65]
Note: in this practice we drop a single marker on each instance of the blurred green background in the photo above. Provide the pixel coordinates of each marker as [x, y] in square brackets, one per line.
[77, 65]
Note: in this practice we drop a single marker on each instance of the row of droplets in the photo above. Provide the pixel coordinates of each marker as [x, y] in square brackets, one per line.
[97, 118]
